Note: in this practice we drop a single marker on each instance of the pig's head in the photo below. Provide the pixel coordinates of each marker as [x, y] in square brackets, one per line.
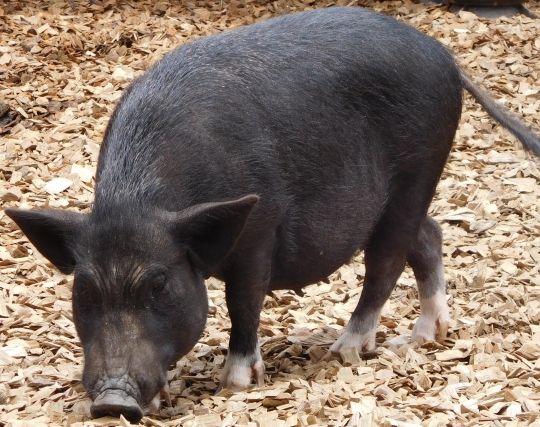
[139, 300]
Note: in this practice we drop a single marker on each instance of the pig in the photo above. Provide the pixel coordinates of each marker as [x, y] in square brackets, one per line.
[266, 157]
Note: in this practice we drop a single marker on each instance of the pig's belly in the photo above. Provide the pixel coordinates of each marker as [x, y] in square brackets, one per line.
[313, 257]
[296, 275]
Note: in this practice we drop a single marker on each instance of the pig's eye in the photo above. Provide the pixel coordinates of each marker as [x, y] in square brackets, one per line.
[158, 285]
[85, 295]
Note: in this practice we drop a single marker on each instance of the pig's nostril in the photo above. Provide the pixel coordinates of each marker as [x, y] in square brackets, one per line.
[114, 403]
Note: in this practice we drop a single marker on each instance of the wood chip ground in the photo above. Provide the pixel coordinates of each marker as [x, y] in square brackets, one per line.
[63, 65]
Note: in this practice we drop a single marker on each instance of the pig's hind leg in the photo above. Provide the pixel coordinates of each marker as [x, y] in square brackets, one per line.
[425, 258]
[385, 256]
[403, 233]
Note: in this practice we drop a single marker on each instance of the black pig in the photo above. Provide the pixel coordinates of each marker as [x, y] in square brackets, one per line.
[264, 156]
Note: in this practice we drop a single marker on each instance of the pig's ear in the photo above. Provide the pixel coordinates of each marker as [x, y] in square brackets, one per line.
[210, 230]
[51, 232]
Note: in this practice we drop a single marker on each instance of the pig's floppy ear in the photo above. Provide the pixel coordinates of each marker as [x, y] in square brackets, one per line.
[210, 230]
[51, 232]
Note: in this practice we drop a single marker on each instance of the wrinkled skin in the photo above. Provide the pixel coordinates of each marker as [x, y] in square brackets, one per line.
[133, 332]
[265, 156]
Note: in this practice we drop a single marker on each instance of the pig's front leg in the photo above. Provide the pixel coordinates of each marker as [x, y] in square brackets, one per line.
[245, 293]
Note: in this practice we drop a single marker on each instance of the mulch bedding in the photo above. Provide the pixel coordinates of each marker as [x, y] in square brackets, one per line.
[62, 67]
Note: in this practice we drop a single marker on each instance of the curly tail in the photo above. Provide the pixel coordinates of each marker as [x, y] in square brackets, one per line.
[527, 137]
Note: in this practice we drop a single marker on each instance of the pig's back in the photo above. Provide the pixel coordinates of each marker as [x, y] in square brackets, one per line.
[298, 87]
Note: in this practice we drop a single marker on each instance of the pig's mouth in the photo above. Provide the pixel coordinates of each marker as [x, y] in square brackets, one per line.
[113, 402]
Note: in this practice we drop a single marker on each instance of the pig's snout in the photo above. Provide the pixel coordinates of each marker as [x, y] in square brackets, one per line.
[113, 403]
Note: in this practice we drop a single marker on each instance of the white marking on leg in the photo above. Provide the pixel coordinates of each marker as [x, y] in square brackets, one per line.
[154, 405]
[434, 314]
[239, 370]
[361, 341]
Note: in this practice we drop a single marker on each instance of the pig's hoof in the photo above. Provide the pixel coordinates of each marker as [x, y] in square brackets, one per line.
[432, 325]
[431, 328]
[363, 343]
[240, 370]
